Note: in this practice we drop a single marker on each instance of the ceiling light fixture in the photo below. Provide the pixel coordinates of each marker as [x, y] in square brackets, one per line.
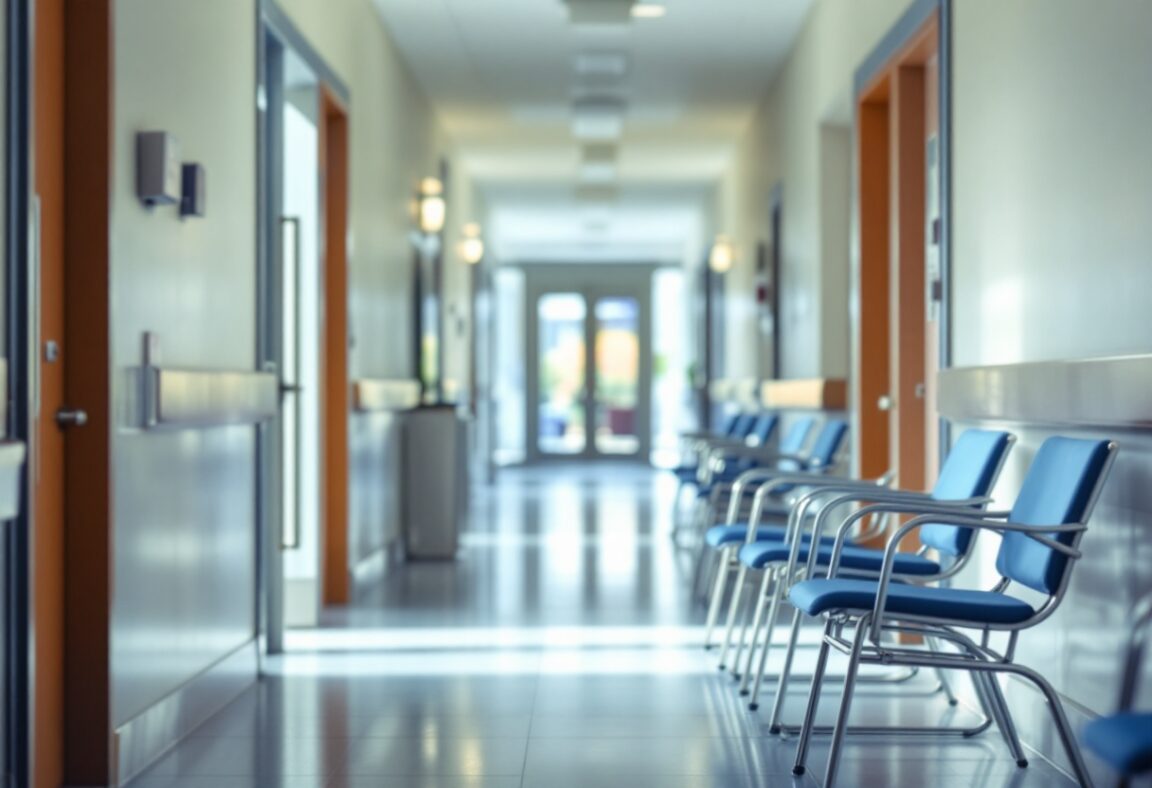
[648, 11]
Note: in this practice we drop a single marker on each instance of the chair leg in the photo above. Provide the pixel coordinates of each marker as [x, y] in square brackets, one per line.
[770, 589]
[723, 569]
[942, 675]
[742, 638]
[805, 739]
[1071, 749]
[700, 575]
[841, 726]
[733, 608]
[997, 708]
[785, 677]
[757, 627]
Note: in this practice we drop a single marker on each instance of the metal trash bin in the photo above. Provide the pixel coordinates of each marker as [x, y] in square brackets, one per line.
[435, 479]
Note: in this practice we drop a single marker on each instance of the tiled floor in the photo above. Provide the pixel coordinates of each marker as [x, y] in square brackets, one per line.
[559, 651]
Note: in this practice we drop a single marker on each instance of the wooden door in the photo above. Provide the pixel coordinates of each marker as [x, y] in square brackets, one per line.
[898, 333]
[69, 458]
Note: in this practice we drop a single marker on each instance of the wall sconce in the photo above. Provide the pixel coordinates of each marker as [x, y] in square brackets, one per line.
[432, 206]
[722, 256]
[472, 245]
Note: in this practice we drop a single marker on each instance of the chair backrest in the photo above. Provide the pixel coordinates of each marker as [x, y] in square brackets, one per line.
[827, 444]
[969, 471]
[728, 425]
[793, 442]
[1060, 488]
[742, 424]
[763, 428]
[797, 435]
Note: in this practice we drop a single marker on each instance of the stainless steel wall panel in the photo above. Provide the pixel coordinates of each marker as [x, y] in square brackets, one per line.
[184, 502]
[375, 467]
[1103, 392]
[189, 398]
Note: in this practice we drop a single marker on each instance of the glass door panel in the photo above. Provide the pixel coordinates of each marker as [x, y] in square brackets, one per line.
[617, 375]
[300, 209]
[561, 416]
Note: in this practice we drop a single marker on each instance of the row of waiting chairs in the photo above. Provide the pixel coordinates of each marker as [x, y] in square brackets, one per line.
[869, 597]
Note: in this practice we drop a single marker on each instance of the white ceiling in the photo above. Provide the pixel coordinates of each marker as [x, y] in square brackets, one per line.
[500, 74]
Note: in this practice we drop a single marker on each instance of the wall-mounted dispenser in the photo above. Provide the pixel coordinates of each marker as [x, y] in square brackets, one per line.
[157, 168]
[192, 197]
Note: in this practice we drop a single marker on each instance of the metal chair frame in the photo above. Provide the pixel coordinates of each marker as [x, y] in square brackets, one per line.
[980, 659]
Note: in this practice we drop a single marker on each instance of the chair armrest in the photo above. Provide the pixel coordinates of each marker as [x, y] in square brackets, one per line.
[1038, 532]
[880, 501]
[744, 451]
[944, 509]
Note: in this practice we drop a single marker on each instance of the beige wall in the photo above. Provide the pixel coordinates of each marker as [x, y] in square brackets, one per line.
[793, 140]
[395, 143]
[1053, 183]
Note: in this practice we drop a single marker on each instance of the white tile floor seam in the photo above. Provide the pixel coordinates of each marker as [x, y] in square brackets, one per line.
[561, 649]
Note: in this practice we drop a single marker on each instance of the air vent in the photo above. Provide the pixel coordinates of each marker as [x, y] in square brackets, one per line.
[597, 164]
[597, 118]
[599, 12]
[595, 193]
[600, 65]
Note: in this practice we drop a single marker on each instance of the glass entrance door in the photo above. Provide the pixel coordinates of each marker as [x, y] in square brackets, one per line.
[589, 375]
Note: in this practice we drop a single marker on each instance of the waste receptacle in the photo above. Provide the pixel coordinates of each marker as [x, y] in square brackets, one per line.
[435, 481]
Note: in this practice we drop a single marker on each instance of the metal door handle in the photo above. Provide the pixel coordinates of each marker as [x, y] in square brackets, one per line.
[66, 417]
[290, 388]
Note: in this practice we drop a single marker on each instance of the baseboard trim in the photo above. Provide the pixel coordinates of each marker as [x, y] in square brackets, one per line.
[141, 741]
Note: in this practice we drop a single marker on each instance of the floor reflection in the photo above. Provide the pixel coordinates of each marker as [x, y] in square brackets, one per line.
[559, 650]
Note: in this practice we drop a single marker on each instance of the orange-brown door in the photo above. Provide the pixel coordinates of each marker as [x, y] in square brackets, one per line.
[337, 387]
[897, 360]
[47, 469]
[69, 474]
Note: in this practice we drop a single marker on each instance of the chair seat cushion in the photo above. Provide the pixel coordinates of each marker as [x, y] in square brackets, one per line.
[759, 554]
[821, 595]
[721, 535]
[1123, 741]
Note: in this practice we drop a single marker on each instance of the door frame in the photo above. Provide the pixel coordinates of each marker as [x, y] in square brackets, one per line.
[16, 544]
[871, 248]
[588, 279]
[276, 29]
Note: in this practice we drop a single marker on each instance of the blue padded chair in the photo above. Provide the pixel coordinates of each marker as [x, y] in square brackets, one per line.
[729, 461]
[1124, 740]
[736, 433]
[1040, 538]
[725, 466]
[783, 477]
[736, 428]
[966, 479]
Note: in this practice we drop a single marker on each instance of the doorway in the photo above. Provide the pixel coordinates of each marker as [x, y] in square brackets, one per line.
[901, 309]
[303, 326]
[589, 354]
